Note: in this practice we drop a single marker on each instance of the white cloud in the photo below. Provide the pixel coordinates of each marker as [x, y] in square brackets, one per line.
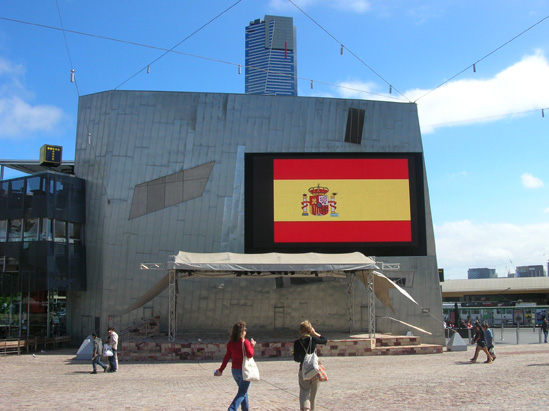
[529, 181]
[18, 116]
[463, 244]
[355, 6]
[546, 210]
[519, 88]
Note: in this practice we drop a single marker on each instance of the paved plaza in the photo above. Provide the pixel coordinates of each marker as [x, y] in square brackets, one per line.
[517, 380]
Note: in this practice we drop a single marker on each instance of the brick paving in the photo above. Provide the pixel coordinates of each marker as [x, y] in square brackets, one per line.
[55, 380]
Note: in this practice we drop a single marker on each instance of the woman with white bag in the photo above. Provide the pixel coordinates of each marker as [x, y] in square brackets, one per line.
[306, 344]
[237, 347]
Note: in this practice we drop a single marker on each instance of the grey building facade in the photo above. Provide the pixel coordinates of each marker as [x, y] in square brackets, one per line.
[165, 172]
[476, 273]
[530, 271]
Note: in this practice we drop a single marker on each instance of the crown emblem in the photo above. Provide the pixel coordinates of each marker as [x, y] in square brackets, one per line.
[318, 190]
[319, 202]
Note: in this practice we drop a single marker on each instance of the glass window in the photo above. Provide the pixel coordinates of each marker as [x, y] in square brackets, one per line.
[75, 233]
[3, 194]
[30, 229]
[3, 230]
[33, 185]
[45, 230]
[60, 231]
[14, 230]
[16, 194]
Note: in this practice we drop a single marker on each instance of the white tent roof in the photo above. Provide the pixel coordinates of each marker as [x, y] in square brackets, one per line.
[271, 262]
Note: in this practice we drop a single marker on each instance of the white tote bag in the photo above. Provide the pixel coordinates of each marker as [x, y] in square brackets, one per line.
[107, 351]
[310, 367]
[250, 372]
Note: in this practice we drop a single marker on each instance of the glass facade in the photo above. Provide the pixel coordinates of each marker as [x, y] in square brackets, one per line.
[42, 252]
[271, 66]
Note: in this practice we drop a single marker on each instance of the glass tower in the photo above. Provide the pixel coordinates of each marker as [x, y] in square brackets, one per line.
[271, 63]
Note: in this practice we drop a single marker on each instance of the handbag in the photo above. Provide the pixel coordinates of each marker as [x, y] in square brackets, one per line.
[250, 372]
[310, 367]
[107, 351]
[321, 376]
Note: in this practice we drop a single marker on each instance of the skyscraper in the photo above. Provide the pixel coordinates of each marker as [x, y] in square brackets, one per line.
[271, 63]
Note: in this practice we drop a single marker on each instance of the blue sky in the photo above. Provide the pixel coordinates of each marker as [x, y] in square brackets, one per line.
[486, 143]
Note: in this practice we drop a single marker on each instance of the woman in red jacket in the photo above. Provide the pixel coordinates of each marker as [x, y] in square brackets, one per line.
[235, 352]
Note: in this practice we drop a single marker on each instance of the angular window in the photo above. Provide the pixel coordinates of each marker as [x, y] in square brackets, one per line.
[355, 124]
[15, 229]
[60, 231]
[30, 227]
[75, 233]
[45, 230]
[3, 230]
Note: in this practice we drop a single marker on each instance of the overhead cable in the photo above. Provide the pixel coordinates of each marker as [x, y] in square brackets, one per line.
[350, 51]
[178, 44]
[239, 66]
[474, 65]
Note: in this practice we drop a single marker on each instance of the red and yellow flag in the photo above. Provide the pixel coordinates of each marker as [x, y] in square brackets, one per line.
[341, 200]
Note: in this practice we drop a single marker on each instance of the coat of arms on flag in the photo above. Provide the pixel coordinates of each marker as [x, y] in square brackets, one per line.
[319, 202]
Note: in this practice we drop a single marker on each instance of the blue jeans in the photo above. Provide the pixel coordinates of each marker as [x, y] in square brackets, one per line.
[241, 398]
[97, 360]
[113, 361]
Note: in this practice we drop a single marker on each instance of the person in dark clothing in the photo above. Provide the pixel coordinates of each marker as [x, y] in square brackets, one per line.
[307, 344]
[544, 329]
[480, 339]
[96, 356]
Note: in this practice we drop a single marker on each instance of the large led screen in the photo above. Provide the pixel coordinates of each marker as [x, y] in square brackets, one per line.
[335, 203]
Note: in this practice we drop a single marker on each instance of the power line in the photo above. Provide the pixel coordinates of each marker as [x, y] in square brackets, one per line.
[391, 87]
[73, 79]
[67, 47]
[478, 61]
[185, 39]
[195, 56]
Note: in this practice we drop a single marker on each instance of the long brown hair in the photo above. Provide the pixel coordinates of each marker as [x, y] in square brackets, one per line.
[237, 331]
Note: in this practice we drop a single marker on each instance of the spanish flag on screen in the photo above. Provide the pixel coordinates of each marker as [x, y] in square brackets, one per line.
[341, 200]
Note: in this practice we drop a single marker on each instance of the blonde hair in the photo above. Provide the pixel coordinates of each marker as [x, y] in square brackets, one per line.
[305, 327]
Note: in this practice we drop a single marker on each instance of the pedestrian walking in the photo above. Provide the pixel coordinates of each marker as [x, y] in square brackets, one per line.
[237, 347]
[112, 341]
[544, 329]
[306, 344]
[96, 356]
[480, 340]
[489, 336]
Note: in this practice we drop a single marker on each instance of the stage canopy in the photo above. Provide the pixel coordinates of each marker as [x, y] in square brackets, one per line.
[186, 265]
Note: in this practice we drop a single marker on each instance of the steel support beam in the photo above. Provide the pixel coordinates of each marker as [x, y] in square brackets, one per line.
[172, 305]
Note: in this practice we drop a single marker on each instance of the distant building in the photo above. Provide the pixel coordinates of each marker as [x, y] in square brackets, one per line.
[477, 273]
[271, 60]
[531, 271]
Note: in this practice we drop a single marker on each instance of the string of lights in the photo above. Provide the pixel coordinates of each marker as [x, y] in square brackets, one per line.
[74, 80]
[195, 56]
[391, 87]
[474, 65]
[178, 44]
[312, 81]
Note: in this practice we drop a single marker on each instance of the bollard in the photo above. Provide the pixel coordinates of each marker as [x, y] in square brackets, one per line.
[518, 329]
[501, 330]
